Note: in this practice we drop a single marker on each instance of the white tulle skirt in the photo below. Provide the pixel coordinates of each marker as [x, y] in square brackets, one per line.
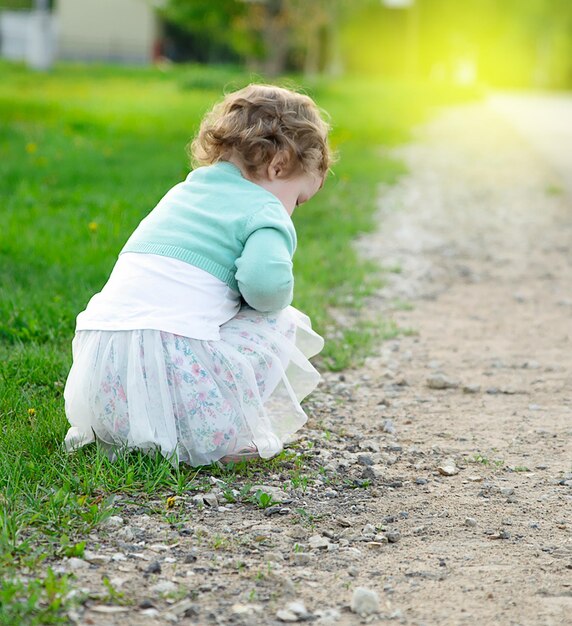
[193, 401]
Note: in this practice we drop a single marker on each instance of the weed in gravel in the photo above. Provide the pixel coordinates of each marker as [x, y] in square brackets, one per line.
[483, 460]
[262, 499]
[36, 602]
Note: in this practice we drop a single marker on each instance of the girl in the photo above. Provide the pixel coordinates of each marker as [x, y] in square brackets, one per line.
[191, 347]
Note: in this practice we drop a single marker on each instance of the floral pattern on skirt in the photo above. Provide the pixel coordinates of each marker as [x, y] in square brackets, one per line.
[195, 401]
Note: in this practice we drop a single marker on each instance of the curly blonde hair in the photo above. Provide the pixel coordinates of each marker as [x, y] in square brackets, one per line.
[260, 122]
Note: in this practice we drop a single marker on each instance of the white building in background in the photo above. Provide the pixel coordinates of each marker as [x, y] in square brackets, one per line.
[107, 30]
[125, 31]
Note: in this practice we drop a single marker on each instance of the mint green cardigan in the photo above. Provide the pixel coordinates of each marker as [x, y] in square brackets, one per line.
[228, 226]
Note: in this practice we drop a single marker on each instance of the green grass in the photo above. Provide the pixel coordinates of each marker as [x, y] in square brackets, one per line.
[85, 153]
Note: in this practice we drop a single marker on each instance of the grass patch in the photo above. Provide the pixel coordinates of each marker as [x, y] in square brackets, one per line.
[85, 153]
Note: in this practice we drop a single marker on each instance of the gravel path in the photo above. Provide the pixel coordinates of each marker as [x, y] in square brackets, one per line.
[434, 485]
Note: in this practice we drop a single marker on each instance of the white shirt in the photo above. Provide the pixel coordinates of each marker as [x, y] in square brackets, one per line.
[148, 291]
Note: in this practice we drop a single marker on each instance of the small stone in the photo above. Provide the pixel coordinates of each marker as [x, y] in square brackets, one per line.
[448, 468]
[470, 521]
[163, 587]
[393, 536]
[317, 542]
[368, 529]
[301, 558]
[294, 612]
[184, 608]
[420, 481]
[507, 491]
[115, 521]
[364, 459]
[441, 381]
[117, 582]
[151, 612]
[328, 617]
[125, 533]
[146, 604]
[190, 558]
[210, 499]
[388, 427]
[471, 388]
[109, 610]
[534, 407]
[241, 609]
[153, 568]
[96, 559]
[74, 564]
[278, 495]
[272, 510]
[364, 601]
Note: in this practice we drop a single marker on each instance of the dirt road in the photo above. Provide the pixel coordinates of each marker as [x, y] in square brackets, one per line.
[438, 476]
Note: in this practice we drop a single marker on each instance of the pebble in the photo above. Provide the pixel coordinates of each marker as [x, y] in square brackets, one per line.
[278, 495]
[448, 468]
[146, 603]
[185, 608]
[104, 608]
[364, 459]
[115, 521]
[117, 582]
[471, 388]
[96, 559]
[328, 617]
[301, 558]
[470, 521]
[294, 612]
[210, 499]
[243, 609]
[153, 568]
[316, 542]
[441, 381]
[393, 536]
[272, 510]
[125, 533]
[364, 601]
[75, 564]
[388, 427]
[163, 586]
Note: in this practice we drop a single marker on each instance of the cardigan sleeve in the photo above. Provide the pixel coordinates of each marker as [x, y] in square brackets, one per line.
[264, 269]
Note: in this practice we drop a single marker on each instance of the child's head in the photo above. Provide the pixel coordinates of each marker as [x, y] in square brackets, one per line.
[261, 124]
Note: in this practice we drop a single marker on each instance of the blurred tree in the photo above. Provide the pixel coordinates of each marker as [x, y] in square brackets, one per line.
[270, 34]
[16, 4]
